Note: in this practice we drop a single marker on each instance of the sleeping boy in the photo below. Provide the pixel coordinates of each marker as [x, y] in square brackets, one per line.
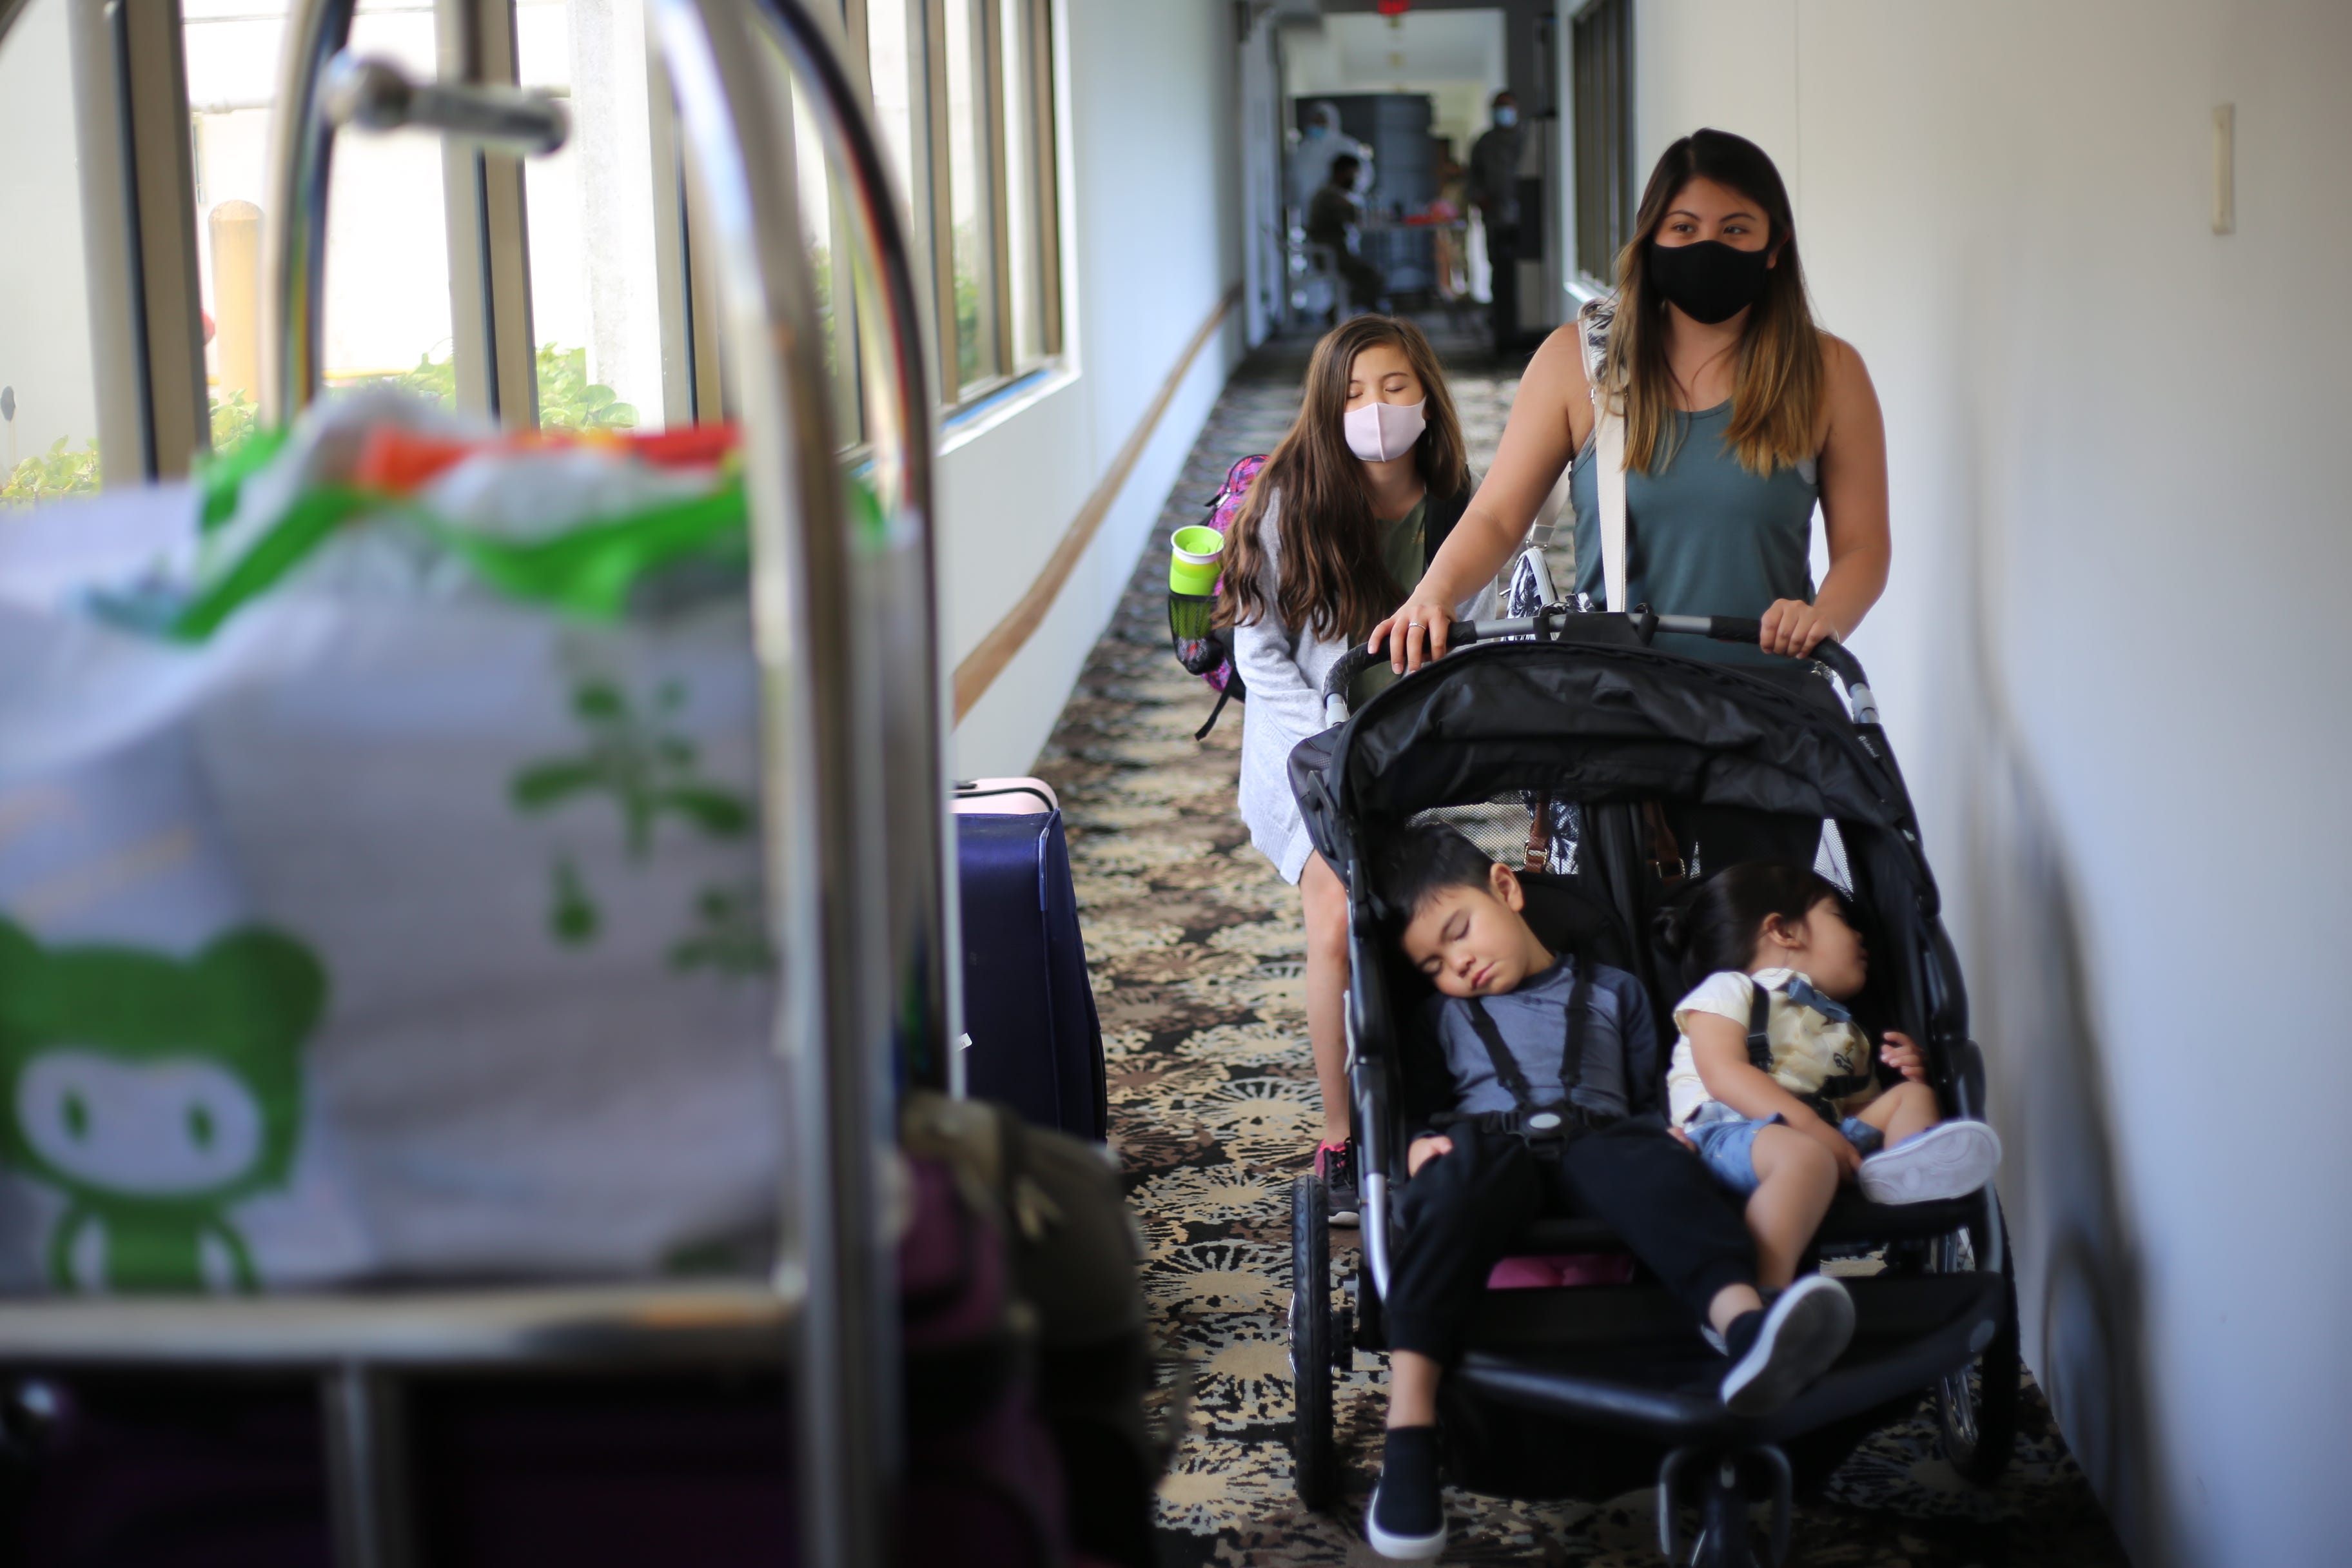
[1540, 1048]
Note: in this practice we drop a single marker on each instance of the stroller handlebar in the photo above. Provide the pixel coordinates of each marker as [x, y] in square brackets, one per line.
[1746, 629]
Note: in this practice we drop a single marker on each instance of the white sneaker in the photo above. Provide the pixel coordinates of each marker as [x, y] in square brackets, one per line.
[1950, 1159]
[1804, 1333]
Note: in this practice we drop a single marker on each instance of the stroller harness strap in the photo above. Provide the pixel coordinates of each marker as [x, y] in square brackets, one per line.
[1542, 1123]
[1824, 1099]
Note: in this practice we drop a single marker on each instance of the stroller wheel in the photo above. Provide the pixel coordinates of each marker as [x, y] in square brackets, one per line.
[1314, 1451]
[1977, 1406]
[1723, 1484]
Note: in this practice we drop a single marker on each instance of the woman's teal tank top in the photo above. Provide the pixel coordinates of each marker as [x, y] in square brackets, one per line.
[1705, 537]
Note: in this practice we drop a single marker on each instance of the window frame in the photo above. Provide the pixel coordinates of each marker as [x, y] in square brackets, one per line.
[1599, 68]
[138, 196]
[1003, 366]
[152, 386]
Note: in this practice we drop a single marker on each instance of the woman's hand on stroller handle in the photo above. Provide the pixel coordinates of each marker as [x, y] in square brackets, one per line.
[1793, 628]
[1416, 634]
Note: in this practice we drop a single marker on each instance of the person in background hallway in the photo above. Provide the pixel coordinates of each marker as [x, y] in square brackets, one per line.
[1310, 159]
[1740, 414]
[1453, 258]
[1494, 191]
[1346, 513]
[1331, 221]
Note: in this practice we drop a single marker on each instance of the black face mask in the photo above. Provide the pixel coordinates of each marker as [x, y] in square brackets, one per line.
[1710, 280]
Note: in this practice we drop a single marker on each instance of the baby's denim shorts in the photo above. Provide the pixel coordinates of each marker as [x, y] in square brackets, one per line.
[1727, 1142]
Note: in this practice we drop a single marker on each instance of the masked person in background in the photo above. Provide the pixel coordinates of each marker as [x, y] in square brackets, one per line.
[1332, 222]
[1494, 188]
[1310, 159]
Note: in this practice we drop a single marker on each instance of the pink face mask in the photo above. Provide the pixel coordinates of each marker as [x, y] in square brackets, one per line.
[1380, 431]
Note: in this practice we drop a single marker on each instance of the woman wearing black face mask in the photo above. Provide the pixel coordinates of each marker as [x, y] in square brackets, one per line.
[1739, 415]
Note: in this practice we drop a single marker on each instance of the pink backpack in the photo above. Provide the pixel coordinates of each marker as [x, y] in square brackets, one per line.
[1200, 648]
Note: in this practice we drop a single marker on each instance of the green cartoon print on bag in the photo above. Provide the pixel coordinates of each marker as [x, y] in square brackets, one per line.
[635, 759]
[154, 1095]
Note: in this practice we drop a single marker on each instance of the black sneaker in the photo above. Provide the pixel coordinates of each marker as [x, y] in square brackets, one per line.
[1406, 1522]
[1336, 1163]
[1775, 1354]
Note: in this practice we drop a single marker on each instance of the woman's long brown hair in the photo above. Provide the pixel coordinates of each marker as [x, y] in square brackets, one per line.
[1776, 399]
[1333, 582]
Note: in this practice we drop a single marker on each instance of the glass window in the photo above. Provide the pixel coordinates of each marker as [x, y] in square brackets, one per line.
[1023, 226]
[970, 246]
[595, 300]
[1604, 138]
[387, 261]
[889, 54]
[829, 278]
[962, 90]
[49, 394]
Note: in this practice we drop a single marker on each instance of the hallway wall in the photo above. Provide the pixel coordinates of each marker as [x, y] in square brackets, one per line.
[1153, 243]
[2112, 656]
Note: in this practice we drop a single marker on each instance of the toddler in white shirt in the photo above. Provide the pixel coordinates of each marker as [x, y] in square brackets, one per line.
[1771, 1080]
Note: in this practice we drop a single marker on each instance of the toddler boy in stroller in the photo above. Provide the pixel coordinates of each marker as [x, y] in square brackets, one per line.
[1541, 1048]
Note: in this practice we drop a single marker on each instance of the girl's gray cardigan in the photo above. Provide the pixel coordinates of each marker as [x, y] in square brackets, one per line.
[1282, 671]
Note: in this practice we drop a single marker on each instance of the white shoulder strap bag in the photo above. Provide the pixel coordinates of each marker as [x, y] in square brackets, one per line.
[1608, 449]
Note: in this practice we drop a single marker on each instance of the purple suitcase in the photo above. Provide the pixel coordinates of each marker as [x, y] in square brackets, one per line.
[1028, 1007]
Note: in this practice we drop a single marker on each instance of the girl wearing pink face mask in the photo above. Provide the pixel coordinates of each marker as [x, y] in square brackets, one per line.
[1338, 526]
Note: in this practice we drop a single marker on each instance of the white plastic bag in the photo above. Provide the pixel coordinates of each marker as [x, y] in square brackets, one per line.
[378, 936]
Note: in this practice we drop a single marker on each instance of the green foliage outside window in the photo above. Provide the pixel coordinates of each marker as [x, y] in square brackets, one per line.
[51, 474]
[235, 418]
[433, 380]
[568, 400]
[969, 367]
[61, 472]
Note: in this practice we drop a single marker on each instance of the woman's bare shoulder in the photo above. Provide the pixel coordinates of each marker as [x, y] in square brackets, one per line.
[1842, 361]
[1554, 387]
[1849, 401]
[1558, 361]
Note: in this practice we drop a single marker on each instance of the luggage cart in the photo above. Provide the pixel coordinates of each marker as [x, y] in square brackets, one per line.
[853, 741]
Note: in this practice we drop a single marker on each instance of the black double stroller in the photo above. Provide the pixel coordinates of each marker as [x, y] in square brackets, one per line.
[1584, 742]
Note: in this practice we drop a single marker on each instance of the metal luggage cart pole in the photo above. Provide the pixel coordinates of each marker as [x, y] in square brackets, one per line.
[848, 623]
[853, 744]
[854, 740]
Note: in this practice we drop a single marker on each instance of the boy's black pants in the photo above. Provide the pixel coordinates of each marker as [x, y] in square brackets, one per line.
[1459, 1218]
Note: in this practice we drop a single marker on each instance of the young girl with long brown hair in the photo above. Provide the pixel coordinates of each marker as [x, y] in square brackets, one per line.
[1340, 525]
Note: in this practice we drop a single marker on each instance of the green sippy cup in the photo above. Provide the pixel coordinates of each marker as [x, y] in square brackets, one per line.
[1194, 560]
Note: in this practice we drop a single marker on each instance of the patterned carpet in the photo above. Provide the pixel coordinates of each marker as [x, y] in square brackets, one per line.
[1194, 943]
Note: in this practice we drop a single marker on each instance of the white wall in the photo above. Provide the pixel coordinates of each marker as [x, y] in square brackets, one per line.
[2114, 653]
[1148, 182]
